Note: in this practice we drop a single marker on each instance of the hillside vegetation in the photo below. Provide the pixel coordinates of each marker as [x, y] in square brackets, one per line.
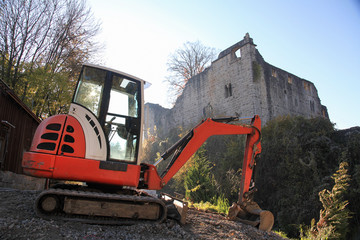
[298, 161]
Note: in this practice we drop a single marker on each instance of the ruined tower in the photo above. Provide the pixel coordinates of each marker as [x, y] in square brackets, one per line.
[238, 83]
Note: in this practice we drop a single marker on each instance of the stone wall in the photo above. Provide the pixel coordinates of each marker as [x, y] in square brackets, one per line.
[238, 83]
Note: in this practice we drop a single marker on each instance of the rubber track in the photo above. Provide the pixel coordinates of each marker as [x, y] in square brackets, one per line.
[101, 197]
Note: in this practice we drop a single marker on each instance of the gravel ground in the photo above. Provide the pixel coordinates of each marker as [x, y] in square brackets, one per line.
[19, 221]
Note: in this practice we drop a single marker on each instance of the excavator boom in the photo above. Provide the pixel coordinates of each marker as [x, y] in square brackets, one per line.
[192, 141]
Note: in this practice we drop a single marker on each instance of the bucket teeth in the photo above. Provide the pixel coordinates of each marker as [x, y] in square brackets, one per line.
[241, 213]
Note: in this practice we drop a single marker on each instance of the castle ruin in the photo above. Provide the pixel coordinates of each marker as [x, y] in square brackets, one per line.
[238, 83]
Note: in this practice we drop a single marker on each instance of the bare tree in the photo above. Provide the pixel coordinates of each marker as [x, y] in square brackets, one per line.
[50, 38]
[185, 63]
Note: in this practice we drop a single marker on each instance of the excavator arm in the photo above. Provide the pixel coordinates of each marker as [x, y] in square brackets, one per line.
[182, 151]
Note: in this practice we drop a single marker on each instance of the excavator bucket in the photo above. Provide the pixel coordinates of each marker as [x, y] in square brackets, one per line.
[251, 214]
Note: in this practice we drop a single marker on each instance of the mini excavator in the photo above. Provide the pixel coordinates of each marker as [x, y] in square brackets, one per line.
[98, 143]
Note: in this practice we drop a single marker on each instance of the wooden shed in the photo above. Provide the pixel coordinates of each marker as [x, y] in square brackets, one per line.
[17, 127]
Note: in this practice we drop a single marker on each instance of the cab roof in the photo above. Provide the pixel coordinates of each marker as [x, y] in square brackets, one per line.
[146, 84]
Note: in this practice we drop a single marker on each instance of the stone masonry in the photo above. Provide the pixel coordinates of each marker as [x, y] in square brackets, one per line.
[238, 83]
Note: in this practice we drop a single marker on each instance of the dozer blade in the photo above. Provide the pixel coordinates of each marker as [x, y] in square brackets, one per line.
[176, 208]
[264, 221]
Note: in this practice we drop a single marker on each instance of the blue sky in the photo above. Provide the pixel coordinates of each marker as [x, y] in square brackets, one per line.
[315, 40]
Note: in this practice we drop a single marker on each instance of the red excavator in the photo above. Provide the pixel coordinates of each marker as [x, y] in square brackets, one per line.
[98, 143]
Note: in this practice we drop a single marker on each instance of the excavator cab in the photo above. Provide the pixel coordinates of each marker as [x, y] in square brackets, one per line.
[115, 99]
[99, 140]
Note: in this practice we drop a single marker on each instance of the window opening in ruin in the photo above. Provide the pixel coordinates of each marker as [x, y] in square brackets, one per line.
[208, 111]
[307, 86]
[290, 81]
[323, 113]
[228, 90]
[312, 106]
[238, 53]
[273, 73]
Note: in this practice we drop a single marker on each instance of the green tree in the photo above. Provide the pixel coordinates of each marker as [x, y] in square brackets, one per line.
[334, 217]
[48, 93]
[226, 154]
[42, 47]
[199, 182]
[298, 156]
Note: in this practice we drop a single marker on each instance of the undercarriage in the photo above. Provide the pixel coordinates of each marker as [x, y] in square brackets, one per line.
[92, 205]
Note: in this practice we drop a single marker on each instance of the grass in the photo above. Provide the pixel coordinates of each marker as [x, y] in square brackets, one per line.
[219, 205]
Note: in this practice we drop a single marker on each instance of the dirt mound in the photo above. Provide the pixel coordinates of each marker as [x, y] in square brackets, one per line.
[19, 221]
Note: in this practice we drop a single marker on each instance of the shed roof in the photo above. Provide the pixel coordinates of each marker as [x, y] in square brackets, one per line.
[13, 95]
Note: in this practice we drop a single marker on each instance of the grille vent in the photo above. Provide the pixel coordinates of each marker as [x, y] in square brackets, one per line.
[96, 130]
[47, 146]
[50, 138]
[66, 148]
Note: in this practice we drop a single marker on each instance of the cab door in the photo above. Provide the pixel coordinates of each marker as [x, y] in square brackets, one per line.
[122, 122]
